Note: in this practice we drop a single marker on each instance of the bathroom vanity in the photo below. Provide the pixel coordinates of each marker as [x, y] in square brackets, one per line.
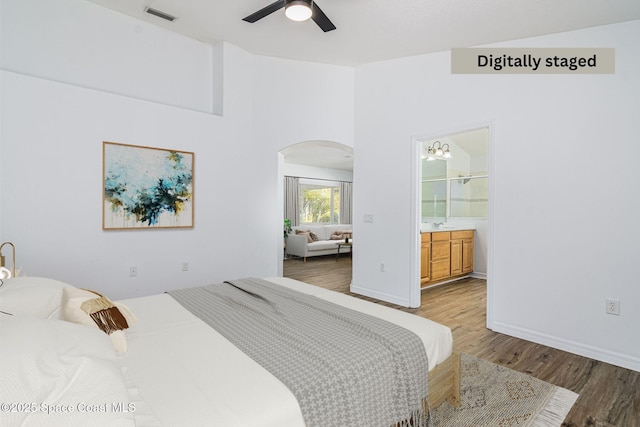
[445, 254]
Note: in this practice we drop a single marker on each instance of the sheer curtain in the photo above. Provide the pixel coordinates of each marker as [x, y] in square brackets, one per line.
[345, 203]
[291, 199]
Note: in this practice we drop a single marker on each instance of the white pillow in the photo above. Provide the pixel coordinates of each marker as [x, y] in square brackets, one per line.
[72, 299]
[32, 296]
[66, 369]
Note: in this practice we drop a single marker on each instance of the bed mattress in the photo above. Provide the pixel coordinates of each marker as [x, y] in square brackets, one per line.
[183, 373]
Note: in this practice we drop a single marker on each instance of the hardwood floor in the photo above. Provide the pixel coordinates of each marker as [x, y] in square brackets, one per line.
[609, 395]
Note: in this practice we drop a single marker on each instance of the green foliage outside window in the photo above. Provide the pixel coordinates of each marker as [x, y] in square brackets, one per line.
[319, 204]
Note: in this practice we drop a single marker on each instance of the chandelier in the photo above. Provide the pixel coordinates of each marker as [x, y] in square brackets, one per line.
[438, 151]
[5, 273]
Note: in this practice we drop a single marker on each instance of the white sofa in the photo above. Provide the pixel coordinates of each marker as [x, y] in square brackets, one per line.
[299, 244]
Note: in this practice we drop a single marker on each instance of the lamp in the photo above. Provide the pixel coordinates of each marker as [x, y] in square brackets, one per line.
[438, 151]
[5, 273]
[298, 10]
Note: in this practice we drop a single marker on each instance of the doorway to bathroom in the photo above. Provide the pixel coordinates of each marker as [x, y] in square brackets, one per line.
[452, 182]
[454, 186]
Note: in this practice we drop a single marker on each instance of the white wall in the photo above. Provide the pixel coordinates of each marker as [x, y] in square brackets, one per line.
[52, 158]
[304, 171]
[565, 226]
[298, 101]
[53, 127]
[101, 50]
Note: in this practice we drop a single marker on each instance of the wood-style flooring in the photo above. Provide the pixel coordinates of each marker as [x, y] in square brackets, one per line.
[609, 395]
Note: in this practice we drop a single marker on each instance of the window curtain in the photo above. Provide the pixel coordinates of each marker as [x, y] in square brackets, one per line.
[345, 203]
[291, 209]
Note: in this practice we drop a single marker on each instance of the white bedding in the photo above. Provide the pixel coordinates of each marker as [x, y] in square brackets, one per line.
[187, 374]
[176, 372]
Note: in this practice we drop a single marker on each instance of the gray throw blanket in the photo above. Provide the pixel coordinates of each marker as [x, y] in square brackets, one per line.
[345, 368]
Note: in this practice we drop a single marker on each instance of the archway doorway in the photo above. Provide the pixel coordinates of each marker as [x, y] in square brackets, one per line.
[323, 175]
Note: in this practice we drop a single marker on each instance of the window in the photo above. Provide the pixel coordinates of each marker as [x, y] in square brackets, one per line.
[319, 202]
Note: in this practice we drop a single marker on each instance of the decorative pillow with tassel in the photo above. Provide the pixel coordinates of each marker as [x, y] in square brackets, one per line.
[311, 236]
[93, 309]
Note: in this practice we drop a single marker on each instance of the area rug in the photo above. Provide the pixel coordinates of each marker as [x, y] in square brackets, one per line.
[492, 395]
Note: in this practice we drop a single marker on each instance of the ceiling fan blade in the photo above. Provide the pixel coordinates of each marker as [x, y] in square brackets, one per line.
[267, 10]
[321, 19]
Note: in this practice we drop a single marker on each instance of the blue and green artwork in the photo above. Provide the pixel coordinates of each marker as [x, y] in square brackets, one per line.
[147, 187]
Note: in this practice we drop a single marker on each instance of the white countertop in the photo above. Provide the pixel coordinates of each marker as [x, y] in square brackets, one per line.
[427, 227]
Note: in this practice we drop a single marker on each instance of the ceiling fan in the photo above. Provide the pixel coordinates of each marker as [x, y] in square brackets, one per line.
[297, 10]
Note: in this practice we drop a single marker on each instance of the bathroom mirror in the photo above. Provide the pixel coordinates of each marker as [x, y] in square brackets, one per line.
[457, 186]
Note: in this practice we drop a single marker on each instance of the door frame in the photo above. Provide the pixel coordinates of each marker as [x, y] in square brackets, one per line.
[415, 220]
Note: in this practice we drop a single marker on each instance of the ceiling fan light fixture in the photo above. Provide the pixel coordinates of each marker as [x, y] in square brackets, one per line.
[298, 10]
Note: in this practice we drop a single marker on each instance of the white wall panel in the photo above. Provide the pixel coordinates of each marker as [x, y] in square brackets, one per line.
[83, 44]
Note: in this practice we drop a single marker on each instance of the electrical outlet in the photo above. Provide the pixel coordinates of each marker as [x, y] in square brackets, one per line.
[133, 271]
[381, 268]
[613, 306]
[185, 266]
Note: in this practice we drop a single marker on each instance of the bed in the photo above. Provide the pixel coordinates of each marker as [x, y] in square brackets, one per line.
[168, 367]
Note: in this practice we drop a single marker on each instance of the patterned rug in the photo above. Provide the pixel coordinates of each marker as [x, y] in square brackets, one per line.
[493, 395]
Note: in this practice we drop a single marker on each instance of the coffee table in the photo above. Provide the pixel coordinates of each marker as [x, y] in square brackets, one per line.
[341, 244]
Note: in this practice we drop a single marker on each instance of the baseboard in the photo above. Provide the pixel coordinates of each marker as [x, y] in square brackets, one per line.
[478, 275]
[603, 355]
[379, 295]
[444, 282]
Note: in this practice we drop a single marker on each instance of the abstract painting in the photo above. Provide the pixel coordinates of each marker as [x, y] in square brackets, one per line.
[146, 188]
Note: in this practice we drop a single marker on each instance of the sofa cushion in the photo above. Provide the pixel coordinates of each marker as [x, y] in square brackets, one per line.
[320, 231]
[322, 245]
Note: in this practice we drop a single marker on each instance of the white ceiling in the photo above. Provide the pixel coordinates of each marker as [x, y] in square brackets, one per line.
[374, 30]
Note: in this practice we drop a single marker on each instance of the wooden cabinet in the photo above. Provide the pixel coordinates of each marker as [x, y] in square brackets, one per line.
[425, 257]
[445, 255]
[456, 257]
[467, 255]
[461, 252]
[440, 255]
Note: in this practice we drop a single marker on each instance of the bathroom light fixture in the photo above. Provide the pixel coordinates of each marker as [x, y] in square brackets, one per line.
[438, 151]
[5, 273]
[298, 10]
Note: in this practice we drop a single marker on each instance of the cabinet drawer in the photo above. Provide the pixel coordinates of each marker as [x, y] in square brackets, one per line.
[425, 237]
[440, 251]
[440, 269]
[440, 236]
[464, 234]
